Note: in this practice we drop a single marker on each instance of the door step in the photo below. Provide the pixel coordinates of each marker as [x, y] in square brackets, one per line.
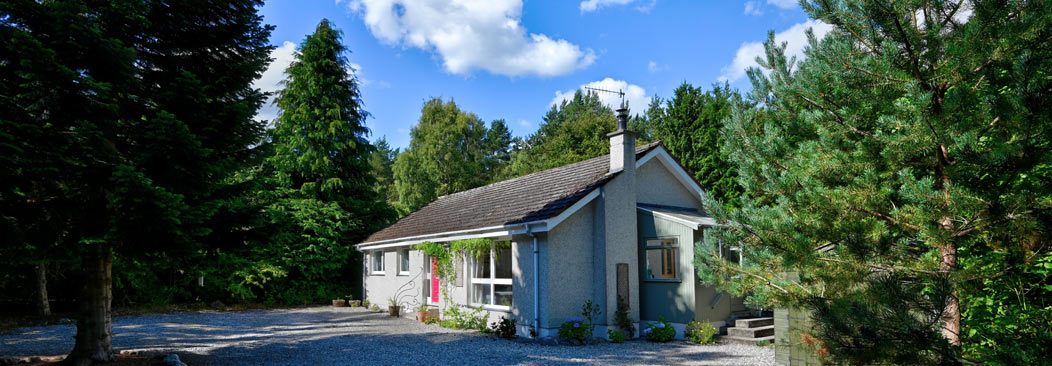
[750, 331]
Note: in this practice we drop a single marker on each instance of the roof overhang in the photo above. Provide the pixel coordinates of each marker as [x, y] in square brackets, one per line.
[485, 232]
[687, 218]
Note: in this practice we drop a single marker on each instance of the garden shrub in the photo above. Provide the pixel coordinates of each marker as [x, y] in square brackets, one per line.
[504, 328]
[660, 331]
[701, 332]
[574, 331]
[616, 336]
[621, 317]
[457, 318]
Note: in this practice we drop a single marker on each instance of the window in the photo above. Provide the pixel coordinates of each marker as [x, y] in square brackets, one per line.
[491, 278]
[378, 261]
[403, 262]
[662, 257]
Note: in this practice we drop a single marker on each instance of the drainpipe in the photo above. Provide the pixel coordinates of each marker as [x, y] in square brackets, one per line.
[536, 280]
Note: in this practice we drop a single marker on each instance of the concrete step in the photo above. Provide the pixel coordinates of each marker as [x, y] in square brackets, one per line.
[752, 341]
[753, 322]
[757, 332]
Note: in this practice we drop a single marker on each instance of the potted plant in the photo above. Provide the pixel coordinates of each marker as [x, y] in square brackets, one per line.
[422, 313]
[393, 308]
[339, 303]
[352, 302]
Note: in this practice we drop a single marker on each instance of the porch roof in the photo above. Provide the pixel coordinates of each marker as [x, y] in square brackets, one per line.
[687, 216]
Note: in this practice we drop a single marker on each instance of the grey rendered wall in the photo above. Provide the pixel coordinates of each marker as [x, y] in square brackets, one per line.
[569, 252]
[406, 289]
[522, 280]
[673, 300]
[656, 185]
[409, 289]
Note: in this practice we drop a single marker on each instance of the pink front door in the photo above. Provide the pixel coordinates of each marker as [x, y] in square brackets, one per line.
[434, 283]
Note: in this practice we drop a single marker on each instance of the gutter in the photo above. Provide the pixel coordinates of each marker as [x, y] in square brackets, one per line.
[536, 280]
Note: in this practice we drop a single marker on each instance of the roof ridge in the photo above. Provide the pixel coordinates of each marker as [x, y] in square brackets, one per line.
[639, 149]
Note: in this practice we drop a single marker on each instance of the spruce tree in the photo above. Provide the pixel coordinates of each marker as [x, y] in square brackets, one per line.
[323, 198]
[124, 121]
[901, 172]
[689, 126]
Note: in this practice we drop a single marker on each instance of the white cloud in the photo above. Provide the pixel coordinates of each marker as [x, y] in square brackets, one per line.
[784, 4]
[272, 77]
[654, 67]
[525, 123]
[593, 5]
[472, 35]
[795, 37]
[752, 8]
[635, 95]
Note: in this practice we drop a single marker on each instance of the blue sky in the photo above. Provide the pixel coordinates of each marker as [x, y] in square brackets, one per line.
[511, 59]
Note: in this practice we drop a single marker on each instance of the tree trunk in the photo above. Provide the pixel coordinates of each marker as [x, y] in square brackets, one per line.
[43, 307]
[951, 321]
[95, 321]
[951, 318]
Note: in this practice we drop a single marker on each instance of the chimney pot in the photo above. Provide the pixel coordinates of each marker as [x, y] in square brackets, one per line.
[622, 119]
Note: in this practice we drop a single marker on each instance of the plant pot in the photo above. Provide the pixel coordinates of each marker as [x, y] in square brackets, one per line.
[339, 303]
[393, 310]
[422, 316]
[356, 303]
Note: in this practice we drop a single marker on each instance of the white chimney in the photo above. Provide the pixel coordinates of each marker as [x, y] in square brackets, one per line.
[622, 145]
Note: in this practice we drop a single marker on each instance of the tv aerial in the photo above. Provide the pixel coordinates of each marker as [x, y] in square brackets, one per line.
[618, 92]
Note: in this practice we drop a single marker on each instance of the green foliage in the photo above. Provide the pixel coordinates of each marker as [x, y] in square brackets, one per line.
[504, 328]
[616, 336]
[575, 331]
[701, 332]
[572, 131]
[689, 126]
[456, 317]
[621, 317]
[891, 183]
[450, 151]
[375, 308]
[589, 311]
[659, 331]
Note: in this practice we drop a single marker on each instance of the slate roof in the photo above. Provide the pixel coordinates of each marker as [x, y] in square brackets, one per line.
[532, 197]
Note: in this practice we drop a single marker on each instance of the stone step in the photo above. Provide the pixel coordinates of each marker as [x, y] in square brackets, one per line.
[753, 322]
[752, 341]
[757, 332]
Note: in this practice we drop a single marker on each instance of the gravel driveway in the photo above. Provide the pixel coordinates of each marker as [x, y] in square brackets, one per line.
[354, 336]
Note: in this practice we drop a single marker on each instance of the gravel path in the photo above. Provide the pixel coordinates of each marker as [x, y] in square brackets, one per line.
[325, 336]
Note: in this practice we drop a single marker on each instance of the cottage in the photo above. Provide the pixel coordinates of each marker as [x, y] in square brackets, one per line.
[616, 226]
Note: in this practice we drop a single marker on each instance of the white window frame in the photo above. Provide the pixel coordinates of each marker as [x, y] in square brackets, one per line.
[376, 256]
[403, 257]
[674, 260]
[492, 281]
[427, 281]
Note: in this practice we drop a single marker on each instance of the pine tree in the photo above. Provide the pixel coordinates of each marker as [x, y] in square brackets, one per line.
[124, 122]
[323, 197]
[901, 171]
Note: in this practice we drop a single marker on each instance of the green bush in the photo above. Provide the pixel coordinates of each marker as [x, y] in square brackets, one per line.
[660, 331]
[574, 331]
[457, 318]
[621, 317]
[504, 328]
[701, 332]
[616, 336]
